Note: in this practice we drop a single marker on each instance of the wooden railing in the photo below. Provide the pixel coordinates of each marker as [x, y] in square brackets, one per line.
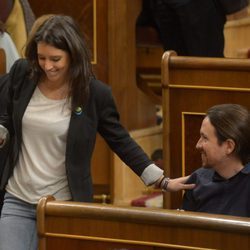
[75, 225]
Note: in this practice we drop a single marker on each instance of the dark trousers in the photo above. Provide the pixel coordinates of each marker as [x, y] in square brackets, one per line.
[193, 29]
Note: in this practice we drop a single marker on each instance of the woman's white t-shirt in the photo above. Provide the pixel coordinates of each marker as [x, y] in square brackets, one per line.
[40, 170]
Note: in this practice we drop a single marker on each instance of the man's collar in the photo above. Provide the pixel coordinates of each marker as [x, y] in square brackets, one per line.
[245, 170]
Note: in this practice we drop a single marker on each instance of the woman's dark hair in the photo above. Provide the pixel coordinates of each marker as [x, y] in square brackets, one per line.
[62, 32]
[232, 121]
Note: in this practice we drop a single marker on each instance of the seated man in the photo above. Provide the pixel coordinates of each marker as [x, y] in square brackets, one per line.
[223, 182]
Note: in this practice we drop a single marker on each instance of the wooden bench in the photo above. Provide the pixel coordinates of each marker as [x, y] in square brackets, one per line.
[75, 225]
[149, 81]
[190, 85]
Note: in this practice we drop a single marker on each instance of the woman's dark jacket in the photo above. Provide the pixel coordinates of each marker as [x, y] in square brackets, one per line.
[99, 115]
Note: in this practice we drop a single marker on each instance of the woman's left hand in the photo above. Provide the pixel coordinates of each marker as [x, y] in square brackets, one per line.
[178, 184]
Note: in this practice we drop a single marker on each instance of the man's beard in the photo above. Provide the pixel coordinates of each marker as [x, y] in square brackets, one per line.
[204, 161]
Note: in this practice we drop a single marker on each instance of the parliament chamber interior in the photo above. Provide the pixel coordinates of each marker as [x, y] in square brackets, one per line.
[162, 98]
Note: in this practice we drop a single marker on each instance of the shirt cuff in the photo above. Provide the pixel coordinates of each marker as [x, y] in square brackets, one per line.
[4, 135]
[151, 174]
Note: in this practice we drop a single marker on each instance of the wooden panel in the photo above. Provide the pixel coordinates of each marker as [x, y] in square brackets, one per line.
[149, 81]
[126, 185]
[239, 28]
[137, 110]
[74, 225]
[190, 86]
[190, 135]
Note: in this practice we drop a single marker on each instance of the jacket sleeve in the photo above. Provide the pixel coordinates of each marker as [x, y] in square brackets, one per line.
[7, 86]
[5, 106]
[116, 135]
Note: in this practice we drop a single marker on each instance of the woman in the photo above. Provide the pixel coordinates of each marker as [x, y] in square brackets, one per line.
[57, 107]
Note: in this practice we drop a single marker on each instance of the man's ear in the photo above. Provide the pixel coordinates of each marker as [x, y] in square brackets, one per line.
[230, 146]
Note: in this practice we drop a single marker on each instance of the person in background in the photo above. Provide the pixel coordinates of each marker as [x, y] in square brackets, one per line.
[53, 107]
[190, 27]
[223, 182]
[157, 157]
[9, 47]
[18, 18]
